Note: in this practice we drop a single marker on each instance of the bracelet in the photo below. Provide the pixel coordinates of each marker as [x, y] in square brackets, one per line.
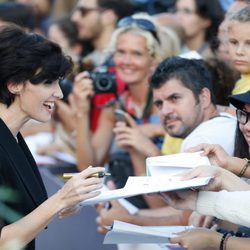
[223, 241]
[243, 170]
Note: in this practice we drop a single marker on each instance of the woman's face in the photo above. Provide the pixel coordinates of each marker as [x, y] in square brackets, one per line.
[37, 101]
[132, 58]
[190, 21]
[245, 129]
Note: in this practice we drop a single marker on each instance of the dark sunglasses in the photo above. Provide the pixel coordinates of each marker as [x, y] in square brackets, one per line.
[84, 10]
[242, 116]
[140, 23]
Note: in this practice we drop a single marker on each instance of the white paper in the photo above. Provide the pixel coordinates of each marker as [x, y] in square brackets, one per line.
[175, 163]
[137, 185]
[123, 232]
[132, 209]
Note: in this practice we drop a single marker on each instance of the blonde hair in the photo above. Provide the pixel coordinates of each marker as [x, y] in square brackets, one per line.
[152, 43]
[242, 16]
[170, 42]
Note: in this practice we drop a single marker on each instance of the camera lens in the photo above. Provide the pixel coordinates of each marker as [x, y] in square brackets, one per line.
[104, 83]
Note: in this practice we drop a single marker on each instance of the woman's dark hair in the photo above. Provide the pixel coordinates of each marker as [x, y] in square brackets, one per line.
[212, 11]
[28, 57]
[241, 148]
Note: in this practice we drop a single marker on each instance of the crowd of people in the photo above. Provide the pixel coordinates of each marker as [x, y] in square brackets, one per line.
[114, 82]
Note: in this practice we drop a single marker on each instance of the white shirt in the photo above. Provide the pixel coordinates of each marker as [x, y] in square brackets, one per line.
[218, 130]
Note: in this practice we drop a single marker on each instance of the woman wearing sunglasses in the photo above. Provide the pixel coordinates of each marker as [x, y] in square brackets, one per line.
[136, 52]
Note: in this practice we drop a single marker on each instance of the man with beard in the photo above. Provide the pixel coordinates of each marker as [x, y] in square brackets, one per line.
[96, 20]
[183, 94]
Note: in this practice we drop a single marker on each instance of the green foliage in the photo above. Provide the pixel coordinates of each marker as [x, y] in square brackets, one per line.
[6, 213]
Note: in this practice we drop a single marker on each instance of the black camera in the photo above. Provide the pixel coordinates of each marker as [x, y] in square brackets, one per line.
[66, 86]
[104, 82]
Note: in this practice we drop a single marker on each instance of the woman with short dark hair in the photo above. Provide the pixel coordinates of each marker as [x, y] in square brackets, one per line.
[30, 67]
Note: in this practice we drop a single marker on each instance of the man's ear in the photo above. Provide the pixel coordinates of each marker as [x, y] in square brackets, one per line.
[15, 88]
[205, 98]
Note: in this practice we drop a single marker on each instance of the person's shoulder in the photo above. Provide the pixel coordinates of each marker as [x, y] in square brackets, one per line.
[220, 120]
[226, 115]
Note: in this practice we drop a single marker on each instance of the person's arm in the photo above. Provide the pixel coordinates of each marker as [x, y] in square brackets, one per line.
[237, 243]
[198, 239]
[145, 217]
[102, 138]
[90, 149]
[229, 206]
[139, 146]
[222, 178]
[152, 130]
[218, 156]
[208, 203]
[77, 189]
[80, 104]
[66, 115]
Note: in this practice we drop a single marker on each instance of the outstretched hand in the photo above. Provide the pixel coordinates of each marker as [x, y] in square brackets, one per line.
[79, 188]
[197, 239]
[216, 154]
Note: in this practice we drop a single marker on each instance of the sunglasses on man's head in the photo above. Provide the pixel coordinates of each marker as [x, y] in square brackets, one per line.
[140, 23]
[84, 10]
[242, 116]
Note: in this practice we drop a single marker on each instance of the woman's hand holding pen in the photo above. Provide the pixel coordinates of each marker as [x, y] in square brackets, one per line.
[80, 187]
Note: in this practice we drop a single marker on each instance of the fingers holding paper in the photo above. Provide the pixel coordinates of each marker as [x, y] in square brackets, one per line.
[216, 154]
[222, 178]
[197, 239]
[215, 184]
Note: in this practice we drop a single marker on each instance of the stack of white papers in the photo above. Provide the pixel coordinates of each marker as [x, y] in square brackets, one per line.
[137, 185]
[122, 232]
[174, 164]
